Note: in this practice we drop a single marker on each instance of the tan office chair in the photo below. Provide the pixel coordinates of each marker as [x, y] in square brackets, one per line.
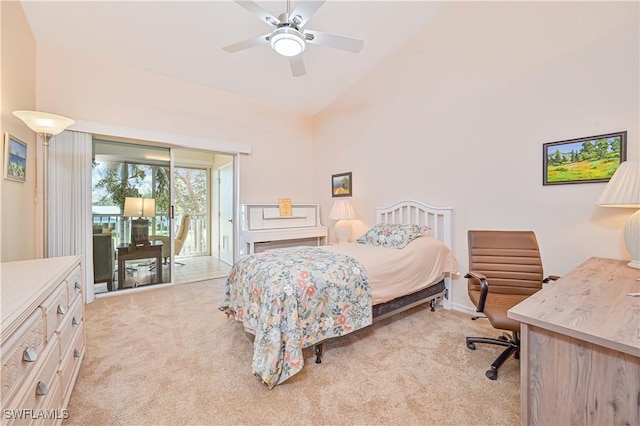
[504, 269]
[179, 240]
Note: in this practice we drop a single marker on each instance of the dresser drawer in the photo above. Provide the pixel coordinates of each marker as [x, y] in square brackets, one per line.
[71, 323]
[74, 284]
[71, 363]
[21, 353]
[38, 387]
[50, 412]
[55, 308]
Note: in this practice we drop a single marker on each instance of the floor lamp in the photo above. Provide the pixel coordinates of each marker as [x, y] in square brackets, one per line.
[46, 126]
[623, 190]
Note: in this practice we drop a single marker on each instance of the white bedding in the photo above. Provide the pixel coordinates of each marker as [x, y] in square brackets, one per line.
[397, 272]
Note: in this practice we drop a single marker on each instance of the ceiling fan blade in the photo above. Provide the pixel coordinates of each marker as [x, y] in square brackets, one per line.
[338, 42]
[305, 10]
[259, 12]
[297, 66]
[236, 47]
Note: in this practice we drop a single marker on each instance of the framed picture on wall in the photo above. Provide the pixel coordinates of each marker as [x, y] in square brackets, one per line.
[15, 158]
[341, 185]
[583, 160]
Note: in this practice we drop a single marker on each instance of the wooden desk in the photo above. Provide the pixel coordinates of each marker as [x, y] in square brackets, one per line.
[131, 253]
[580, 348]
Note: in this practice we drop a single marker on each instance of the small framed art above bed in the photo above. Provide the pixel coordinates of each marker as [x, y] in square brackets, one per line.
[297, 297]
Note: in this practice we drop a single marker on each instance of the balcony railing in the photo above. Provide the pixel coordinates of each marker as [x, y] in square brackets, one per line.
[194, 245]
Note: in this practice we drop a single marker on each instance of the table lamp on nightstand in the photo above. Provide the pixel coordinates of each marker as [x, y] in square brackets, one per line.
[623, 190]
[342, 212]
[140, 208]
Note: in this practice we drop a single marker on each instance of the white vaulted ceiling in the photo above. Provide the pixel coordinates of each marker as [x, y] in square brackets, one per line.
[184, 40]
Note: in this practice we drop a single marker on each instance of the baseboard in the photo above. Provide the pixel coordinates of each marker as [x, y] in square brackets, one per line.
[464, 308]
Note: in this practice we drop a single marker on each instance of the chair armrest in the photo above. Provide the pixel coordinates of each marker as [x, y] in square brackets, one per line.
[484, 288]
[551, 278]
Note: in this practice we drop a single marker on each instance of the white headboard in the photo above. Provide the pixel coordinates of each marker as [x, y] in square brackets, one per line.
[417, 213]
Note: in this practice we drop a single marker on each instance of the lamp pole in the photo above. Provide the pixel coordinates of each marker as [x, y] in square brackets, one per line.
[45, 137]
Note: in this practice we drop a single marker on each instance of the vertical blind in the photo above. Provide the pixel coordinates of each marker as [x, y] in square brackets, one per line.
[69, 201]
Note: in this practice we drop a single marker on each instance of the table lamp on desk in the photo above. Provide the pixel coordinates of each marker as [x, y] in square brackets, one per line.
[623, 190]
[140, 208]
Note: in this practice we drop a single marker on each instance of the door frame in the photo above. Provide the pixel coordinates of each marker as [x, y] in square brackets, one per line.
[218, 213]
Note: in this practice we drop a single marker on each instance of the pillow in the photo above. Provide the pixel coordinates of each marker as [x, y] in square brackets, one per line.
[392, 235]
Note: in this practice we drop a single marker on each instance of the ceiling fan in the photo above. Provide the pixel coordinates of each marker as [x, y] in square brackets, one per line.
[289, 38]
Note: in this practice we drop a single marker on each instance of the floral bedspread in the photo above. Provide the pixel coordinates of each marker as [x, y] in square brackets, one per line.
[293, 298]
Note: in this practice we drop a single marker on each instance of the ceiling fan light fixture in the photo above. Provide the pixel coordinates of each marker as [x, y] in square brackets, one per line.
[287, 41]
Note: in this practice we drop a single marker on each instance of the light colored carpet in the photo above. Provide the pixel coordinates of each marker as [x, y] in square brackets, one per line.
[170, 357]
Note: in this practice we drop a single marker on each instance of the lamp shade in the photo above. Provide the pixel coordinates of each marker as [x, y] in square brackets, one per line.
[342, 210]
[148, 207]
[132, 207]
[139, 207]
[623, 189]
[43, 122]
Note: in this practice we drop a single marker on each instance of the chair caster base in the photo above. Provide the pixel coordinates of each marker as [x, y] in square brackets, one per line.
[492, 374]
[512, 344]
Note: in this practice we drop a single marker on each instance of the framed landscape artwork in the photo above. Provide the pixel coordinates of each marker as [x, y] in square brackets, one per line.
[583, 160]
[341, 185]
[15, 158]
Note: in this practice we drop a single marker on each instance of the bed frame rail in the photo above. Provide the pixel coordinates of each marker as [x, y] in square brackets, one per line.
[381, 311]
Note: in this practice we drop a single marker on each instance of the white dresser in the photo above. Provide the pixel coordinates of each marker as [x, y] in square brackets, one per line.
[42, 334]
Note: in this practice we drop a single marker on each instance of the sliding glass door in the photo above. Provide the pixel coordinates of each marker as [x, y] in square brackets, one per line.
[160, 215]
[131, 215]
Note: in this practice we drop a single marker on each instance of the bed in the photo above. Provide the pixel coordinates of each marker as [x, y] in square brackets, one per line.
[297, 297]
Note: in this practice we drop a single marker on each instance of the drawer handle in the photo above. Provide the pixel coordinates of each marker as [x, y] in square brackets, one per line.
[62, 310]
[30, 355]
[42, 389]
[76, 353]
[77, 286]
[75, 321]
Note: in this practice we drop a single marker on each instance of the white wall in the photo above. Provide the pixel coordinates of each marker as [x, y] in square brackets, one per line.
[83, 88]
[458, 116]
[18, 211]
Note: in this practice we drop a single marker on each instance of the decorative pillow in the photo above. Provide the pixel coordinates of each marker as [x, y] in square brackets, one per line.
[392, 235]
